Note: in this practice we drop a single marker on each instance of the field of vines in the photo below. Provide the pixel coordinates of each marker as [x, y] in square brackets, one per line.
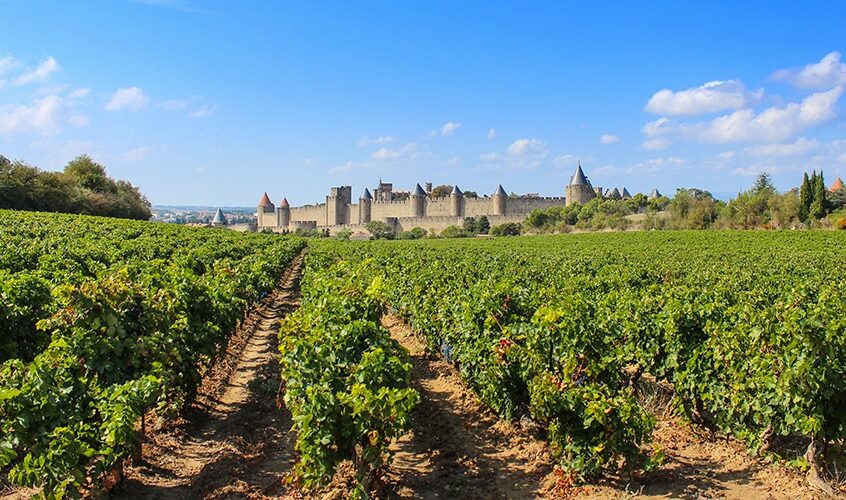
[748, 329]
[104, 319]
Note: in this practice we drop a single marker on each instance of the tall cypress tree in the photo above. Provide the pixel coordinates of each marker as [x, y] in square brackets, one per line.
[805, 198]
[819, 203]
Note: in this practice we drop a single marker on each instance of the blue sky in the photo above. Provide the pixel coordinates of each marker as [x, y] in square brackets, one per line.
[215, 102]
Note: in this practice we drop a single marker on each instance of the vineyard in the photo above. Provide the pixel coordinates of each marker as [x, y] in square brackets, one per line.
[104, 320]
[747, 328]
[107, 320]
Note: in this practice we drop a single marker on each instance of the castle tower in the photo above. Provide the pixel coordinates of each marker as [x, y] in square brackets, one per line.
[265, 213]
[219, 218]
[283, 214]
[365, 206]
[418, 202]
[456, 197]
[500, 201]
[579, 190]
[337, 205]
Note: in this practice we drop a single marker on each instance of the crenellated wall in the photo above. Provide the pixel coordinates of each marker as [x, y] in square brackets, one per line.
[439, 213]
[309, 213]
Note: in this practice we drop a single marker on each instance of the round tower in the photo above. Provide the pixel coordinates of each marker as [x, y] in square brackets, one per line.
[418, 202]
[456, 197]
[283, 214]
[264, 212]
[365, 203]
[500, 201]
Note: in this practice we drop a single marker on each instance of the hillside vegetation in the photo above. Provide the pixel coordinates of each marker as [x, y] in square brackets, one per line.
[82, 188]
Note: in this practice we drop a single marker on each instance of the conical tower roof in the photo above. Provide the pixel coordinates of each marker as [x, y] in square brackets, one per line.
[499, 191]
[654, 194]
[626, 195]
[418, 191]
[219, 218]
[837, 184]
[579, 178]
[614, 194]
[366, 195]
[284, 203]
[456, 191]
[265, 201]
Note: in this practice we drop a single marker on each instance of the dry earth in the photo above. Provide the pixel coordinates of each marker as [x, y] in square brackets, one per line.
[233, 441]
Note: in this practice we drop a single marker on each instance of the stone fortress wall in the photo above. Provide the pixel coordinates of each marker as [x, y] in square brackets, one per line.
[418, 208]
[403, 211]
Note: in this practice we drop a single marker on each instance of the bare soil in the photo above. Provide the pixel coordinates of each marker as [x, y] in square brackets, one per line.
[233, 441]
[458, 449]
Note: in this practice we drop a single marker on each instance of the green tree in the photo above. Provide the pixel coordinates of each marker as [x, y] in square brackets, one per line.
[455, 232]
[380, 230]
[413, 234]
[483, 225]
[470, 225]
[806, 196]
[507, 229]
[89, 174]
[441, 191]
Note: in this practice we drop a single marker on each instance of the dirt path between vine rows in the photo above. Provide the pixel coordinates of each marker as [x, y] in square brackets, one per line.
[232, 442]
[456, 447]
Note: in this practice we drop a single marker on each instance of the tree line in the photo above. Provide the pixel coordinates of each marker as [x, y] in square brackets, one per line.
[83, 187]
[762, 206]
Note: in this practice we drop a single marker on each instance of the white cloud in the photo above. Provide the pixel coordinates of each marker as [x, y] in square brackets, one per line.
[527, 153]
[382, 139]
[40, 73]
[202, 111]
[526, 146]
[655, 144]
[824, 74]
[491, 134]
[774, 124]
[609, 138]
[131, 98]
[407, 151]
[7, 63]
[708, 98]
[726, 155]
[41, 116]
[492, 156]
[137, 154]
[449, 128]
[78, 121]
[801, 147]
[453, 161]
[80, 93]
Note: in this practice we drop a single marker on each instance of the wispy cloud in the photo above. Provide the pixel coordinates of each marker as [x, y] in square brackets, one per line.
[609, 138]
[131, 98]
[203, 111]
[830, 71]
[409, 151]
[46, 68]
[774, 124]
[40, 116]
[449, 128]
[491, 134]
[382, 139]
[708, 98]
